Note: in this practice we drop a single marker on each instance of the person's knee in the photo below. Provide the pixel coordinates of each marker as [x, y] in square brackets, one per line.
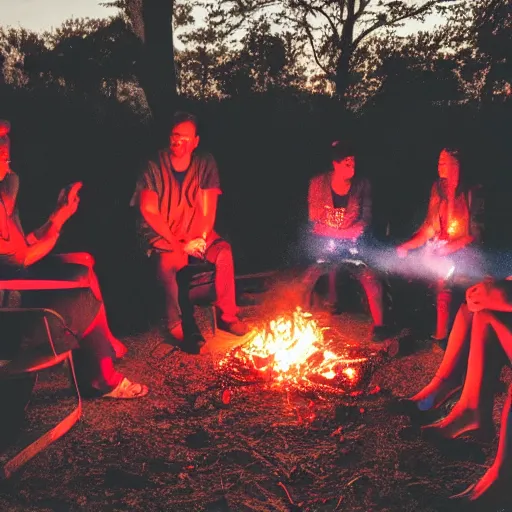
[484, 316]
[371, 282]
[464, 309]
[86, 259]
[167, 273]
[76, 258]
[170, 264]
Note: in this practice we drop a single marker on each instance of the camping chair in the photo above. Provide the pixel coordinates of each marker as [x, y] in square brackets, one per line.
[29, 343]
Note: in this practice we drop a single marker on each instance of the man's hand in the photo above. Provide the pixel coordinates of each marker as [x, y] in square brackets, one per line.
[195, 248]
[485, 295]
[67, 203]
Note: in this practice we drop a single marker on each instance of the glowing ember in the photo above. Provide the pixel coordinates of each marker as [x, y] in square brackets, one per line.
[292, 350]
[453, 228]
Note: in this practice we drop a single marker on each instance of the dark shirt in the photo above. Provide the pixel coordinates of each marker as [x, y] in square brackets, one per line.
[339, 201]
[177, 192]
[180, 176]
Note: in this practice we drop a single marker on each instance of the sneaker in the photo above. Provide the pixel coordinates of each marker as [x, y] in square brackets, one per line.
[236, 327]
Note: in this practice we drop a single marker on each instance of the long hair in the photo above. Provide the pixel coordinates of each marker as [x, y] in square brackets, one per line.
[462, 186]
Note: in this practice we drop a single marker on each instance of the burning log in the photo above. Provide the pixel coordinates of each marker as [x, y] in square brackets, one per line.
[292, 352]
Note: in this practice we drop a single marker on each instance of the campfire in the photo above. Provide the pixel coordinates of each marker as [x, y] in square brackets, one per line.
[292, 351]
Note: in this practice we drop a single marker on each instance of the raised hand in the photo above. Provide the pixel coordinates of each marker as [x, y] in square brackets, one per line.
[68, 201]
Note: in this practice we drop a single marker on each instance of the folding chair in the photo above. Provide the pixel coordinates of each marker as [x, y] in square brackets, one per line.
[19, 355]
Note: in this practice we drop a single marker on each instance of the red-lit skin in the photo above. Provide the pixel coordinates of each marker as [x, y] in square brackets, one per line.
[5, 156]
[476, 324]
[343, 172]
[39, 243]
[183, 141]
[449, 173]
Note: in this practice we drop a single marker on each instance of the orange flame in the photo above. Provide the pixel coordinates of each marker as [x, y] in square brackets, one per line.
[292, 350]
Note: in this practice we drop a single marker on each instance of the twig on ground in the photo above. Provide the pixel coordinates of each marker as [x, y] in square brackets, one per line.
[287, 493]
[339, 503]
[354, 480]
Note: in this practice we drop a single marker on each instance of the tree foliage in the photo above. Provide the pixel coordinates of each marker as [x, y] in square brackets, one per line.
[244, 47]
[333, 29]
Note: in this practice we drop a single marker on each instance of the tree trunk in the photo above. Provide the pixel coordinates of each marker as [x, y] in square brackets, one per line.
[342, 79]
[152, 23]
[346, 46]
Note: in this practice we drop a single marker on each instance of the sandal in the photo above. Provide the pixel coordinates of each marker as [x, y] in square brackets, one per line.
[127, 390]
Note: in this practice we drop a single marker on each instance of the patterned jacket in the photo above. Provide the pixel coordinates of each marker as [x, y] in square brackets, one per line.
[321, 208]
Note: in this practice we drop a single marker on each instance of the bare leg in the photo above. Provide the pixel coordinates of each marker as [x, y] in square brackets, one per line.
[373, 289]
[443, 302]
[500, 471]
[467, 415]
[448, 377]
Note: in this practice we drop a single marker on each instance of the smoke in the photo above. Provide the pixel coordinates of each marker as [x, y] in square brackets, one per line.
[467, 266]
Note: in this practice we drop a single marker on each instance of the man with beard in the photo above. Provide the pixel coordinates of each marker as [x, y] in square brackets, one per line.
[177, 197]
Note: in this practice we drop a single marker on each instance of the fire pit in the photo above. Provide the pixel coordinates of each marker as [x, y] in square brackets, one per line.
[294, 353]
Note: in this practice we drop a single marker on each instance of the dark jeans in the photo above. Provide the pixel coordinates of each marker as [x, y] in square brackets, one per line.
[220, 255]
[83, 310]
[352, 259]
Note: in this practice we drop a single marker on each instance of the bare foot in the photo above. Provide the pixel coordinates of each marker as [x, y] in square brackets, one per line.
[493, 485]
[434, 394]
[488, 481]
[457, 423]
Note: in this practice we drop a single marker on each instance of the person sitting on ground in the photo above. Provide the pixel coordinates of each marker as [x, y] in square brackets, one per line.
[177, 196]
[340, 214]
[454, 222]
[27, 257]
[482, 319]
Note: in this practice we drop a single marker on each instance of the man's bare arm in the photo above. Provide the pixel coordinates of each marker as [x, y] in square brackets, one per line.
[151, 213]
[209, 201]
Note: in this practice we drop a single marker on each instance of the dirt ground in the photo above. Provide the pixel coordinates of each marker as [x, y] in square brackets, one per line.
[268, 450]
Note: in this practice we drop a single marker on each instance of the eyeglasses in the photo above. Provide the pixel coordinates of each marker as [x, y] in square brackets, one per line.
[176, 137]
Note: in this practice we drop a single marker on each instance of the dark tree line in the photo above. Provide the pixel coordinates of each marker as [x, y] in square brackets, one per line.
[348, 49]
